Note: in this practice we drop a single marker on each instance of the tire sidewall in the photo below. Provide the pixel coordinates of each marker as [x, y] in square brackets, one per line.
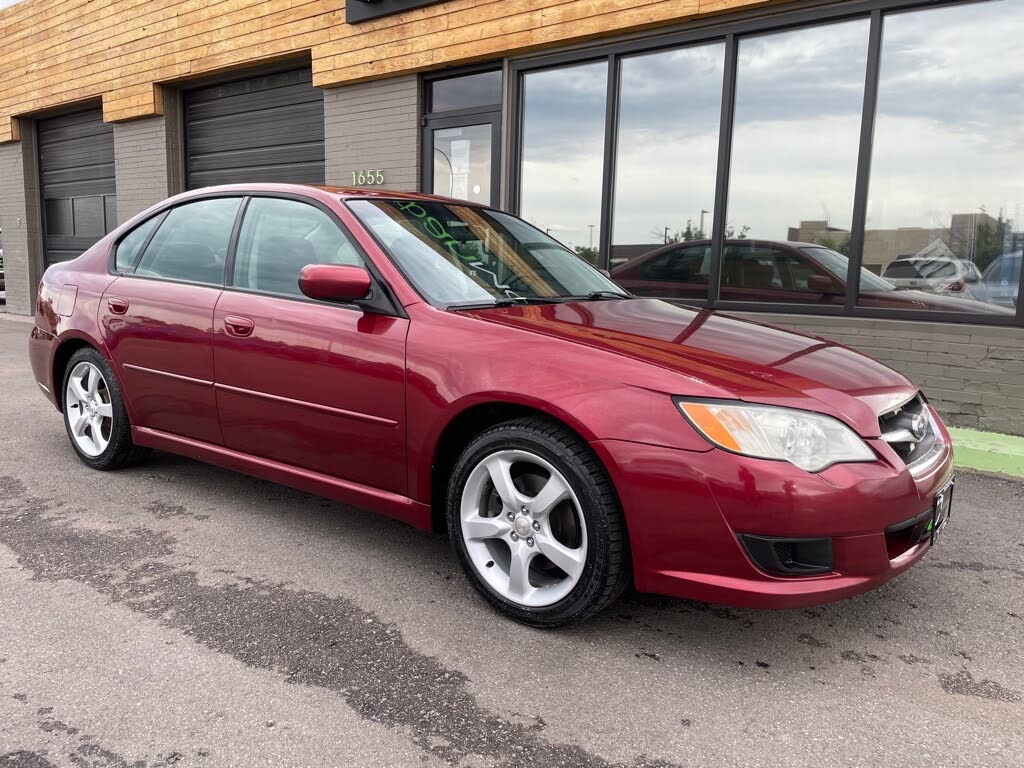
[592, 506]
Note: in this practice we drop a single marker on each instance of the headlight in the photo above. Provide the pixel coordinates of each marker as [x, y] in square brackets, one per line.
[808, 440]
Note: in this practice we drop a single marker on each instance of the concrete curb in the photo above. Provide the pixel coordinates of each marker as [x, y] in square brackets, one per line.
[988, 451]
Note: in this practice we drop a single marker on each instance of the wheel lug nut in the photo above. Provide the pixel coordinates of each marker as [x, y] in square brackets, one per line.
[529, 542]
[511, 516]
[536, 525]
[525, 511]
[515, 537]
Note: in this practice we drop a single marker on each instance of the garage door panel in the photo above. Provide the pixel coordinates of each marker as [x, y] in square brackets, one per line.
[295, 173]
[269, 137]
[70, 127]
[262, 84]
[76, 179]
[268, 128]
[77, 189]
[265, 130]
[89, 150]
[252, 158]
[71, 174]
[245, 102]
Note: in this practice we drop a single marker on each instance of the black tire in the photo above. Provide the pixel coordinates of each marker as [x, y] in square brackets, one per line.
[607, 570]
[120, 451]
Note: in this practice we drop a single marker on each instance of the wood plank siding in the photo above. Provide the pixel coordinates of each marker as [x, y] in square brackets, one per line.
[58, 52]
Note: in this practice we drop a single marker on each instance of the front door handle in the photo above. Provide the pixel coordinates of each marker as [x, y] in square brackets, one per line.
[117, 305]
[238, 326]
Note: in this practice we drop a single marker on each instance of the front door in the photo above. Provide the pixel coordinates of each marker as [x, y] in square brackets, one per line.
[311, 384]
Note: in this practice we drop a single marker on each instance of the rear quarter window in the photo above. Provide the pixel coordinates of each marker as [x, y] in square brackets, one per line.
[131, 245]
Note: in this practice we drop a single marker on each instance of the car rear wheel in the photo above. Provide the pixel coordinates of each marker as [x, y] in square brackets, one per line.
[536, 524]
[94, 413]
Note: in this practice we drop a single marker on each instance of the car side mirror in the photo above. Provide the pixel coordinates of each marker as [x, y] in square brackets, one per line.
[822, 284]
[334, 282]
[605, 272]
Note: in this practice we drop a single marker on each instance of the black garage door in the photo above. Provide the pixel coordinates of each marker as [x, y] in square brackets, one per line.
[268, 128]
[76, 175]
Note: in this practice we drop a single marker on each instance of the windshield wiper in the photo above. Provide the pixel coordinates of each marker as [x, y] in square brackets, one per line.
[508, 302]
[597, 296]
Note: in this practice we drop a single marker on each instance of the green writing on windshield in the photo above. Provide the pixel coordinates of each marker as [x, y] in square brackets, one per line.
[440, 233]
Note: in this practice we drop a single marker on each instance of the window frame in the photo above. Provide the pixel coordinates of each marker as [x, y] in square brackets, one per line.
[386, 304]
[703, 31]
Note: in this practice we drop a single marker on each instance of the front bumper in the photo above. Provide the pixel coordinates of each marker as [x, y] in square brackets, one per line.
[685, 512]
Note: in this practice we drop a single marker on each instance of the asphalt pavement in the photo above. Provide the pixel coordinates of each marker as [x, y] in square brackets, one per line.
[179, 614]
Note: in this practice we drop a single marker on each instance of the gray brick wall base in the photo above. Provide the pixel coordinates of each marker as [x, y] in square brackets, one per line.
[374, 125]
[146, 163]
[972, 374]
[19, 222]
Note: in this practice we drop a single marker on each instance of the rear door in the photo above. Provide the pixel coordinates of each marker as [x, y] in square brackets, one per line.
[311, 384]
[157, 317]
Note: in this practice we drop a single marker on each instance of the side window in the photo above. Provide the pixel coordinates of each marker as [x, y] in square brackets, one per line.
[130, 245]
[279, 237]
[681, 265]
[751, 267]
[192, 243]
[800, 270]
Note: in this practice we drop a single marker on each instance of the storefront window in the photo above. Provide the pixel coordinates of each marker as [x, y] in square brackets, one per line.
[562, 154]
[669, 107]
[482, 89]
[799, 98]
[945, 214]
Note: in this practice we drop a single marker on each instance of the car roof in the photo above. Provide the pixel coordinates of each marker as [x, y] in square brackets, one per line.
[342, 192]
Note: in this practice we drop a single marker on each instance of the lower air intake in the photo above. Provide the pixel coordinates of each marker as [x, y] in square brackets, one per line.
[789, 557]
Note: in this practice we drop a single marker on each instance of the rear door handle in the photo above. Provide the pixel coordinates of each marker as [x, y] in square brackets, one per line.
[238, 326]
[117, 305]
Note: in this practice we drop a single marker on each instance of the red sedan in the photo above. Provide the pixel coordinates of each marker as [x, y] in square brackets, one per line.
[453, 367]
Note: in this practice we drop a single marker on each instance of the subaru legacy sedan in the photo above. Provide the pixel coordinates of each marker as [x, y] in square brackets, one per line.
[453, 367]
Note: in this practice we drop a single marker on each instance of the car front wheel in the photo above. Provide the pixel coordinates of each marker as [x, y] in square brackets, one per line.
[536, 524]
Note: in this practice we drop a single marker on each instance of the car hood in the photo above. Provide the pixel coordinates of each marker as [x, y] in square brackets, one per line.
[723, 356]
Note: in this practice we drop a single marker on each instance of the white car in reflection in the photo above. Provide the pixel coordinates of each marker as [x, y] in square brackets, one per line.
[934, 274]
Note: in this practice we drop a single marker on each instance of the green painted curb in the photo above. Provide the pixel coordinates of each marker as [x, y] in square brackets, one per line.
[988, 451]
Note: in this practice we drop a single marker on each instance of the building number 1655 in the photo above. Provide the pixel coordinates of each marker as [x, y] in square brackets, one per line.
[365, 178]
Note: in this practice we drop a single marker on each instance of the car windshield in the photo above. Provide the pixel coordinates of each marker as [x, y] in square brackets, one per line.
[1004, 269]
[837, 264]
[463, 255]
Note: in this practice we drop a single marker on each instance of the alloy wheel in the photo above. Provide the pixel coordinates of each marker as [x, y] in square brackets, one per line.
[523, 528]
[88, 409]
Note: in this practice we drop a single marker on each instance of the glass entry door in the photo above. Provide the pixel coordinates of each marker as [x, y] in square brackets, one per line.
[461, 157]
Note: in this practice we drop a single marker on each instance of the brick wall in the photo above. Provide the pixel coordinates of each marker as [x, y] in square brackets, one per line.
[973, 374]
[19, 221]
[146, 163]
[374, 125]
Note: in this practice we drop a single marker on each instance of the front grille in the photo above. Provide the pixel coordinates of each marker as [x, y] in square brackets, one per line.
[909, 430]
